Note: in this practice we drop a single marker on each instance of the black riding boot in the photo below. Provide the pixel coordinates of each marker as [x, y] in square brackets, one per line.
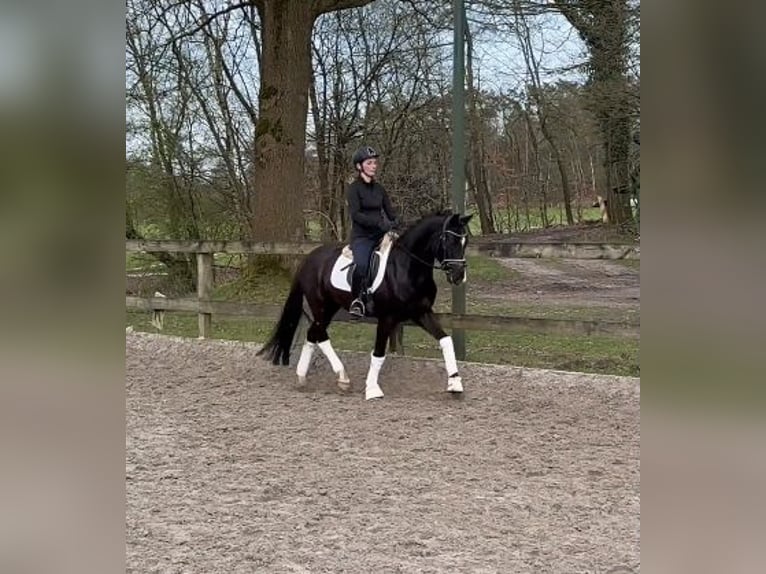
[358, 294]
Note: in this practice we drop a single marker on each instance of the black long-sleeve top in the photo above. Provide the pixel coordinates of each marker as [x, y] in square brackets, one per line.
[367, 204]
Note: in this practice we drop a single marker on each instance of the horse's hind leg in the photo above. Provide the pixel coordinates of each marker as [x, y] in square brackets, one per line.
[305, 361]
[318, 337]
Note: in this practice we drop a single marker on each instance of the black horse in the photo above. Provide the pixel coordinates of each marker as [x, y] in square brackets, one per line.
[406, 292]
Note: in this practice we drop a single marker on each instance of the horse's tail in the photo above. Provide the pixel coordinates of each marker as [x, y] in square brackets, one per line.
[277, 348]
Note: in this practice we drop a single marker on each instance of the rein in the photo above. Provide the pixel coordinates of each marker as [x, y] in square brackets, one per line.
[439, 266]
[443, 264]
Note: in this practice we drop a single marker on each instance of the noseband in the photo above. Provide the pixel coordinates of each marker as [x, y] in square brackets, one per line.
[445, 263]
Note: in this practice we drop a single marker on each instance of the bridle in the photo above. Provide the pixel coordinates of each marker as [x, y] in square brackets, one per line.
[444, 264]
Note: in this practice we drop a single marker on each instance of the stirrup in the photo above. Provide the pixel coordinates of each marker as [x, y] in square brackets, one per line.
[356, 309]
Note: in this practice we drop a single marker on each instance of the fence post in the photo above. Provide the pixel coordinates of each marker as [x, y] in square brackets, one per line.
[458, 152]
[204, 291]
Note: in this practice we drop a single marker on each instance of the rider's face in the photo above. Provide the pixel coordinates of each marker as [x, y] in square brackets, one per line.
[370, 166]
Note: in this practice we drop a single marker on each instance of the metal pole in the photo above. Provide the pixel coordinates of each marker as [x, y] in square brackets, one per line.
[458, 153]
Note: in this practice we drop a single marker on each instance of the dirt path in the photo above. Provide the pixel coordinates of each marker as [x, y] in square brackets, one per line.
[231, 469]
[572, 282]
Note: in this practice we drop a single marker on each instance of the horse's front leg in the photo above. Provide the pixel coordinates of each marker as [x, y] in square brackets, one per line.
[372, 388]
[430, 323]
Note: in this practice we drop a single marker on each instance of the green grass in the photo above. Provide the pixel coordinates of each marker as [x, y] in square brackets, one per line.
[139, 262]
[255, 288]
[609, 355]
[556, 216]
[482, 268]
[576, 353]
[542, 311]
[136, 262]
[629, 263]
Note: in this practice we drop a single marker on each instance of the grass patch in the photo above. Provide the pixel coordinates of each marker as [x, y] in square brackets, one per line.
[256, 287]
[604, 355]
[273, 285]
[489, 269]
[136, 262]
[185, 325]
[478, 306]
[629, 263]
[596, 354]
[509, 222]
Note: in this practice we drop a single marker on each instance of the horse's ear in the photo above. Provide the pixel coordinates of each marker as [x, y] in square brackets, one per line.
[465, 219]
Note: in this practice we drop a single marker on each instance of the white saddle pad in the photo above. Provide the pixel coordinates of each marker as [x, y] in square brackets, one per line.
[339, 277]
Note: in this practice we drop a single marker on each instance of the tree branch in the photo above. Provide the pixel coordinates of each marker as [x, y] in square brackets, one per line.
[323, 6]
[204, 21]
[575, 16]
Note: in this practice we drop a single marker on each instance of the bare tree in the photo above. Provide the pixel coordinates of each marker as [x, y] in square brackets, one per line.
[377, 79]
[477, 177]
[280, 134]
[541, 104]
[224, 162]
[164, 98]
[227, 108]
[604, 27]
[345, 64]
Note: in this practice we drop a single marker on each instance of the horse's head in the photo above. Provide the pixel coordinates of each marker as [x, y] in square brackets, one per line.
[450, 251]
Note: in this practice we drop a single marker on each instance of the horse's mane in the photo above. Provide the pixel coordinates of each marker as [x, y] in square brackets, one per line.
[440, 214]
[414, 227]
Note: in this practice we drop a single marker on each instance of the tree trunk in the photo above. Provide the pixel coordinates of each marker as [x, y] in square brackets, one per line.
[616, 126]
[477, 176]
[340, 174]
[540, 184]
[280, 134]
[323, 165]
[565, 185]
[536, 92]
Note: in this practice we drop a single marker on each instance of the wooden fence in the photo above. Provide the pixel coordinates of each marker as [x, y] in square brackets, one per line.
[206, 307]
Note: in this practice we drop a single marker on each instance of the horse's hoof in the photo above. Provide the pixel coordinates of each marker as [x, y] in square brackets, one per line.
[344, 383]
[301, 381]
[454, 385]
[373, 393]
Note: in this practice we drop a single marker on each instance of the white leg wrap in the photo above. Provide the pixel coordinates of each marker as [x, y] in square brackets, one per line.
[331, 355]
[372, 388]
[448, 350]
[305, 361]
[454, 383]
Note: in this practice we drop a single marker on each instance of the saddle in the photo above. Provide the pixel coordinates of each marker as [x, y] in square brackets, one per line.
[343, 269]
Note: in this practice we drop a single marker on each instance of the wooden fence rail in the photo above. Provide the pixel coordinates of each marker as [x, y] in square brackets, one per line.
[448, 320]
[205, 307]
[499, 248]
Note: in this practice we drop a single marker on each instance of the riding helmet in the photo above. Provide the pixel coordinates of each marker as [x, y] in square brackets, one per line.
[364, 153]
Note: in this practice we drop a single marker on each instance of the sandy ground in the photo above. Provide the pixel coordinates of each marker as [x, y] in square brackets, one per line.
[231, 468]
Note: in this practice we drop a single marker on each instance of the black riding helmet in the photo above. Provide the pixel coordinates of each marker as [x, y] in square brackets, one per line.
[362, 154]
